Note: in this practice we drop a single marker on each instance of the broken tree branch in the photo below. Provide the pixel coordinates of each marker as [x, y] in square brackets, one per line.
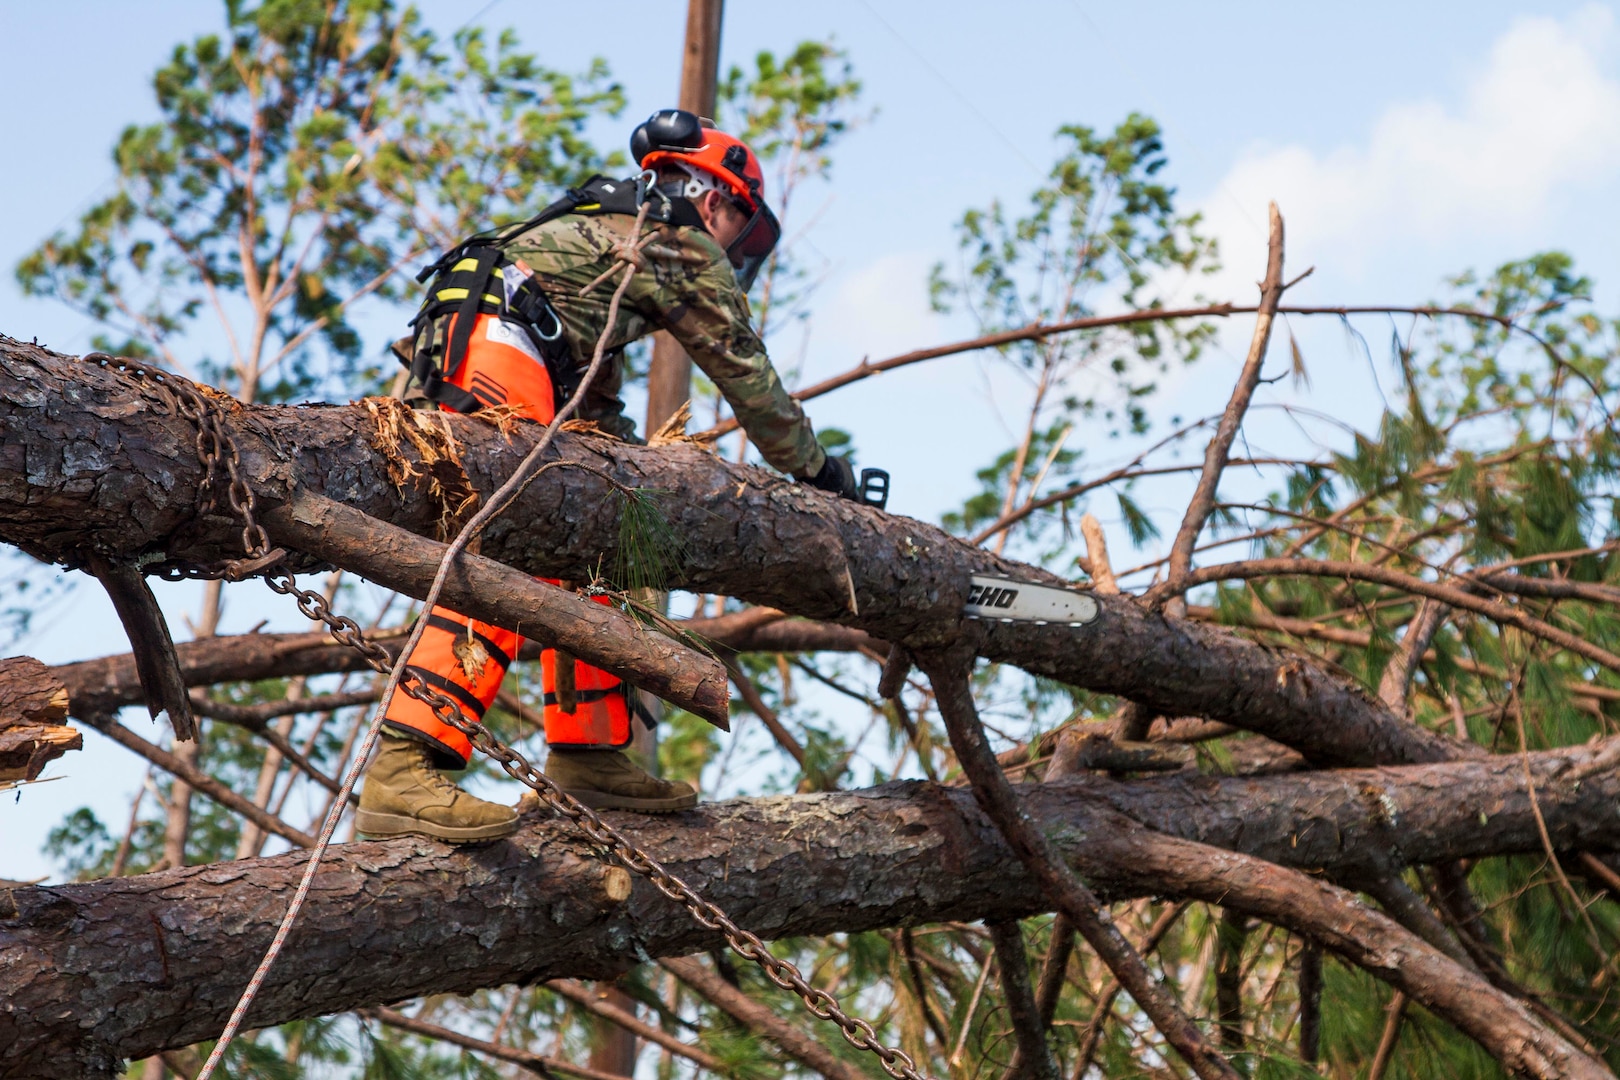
[149, 641]
[1062, 888]
[485, 589]
[1220, 447]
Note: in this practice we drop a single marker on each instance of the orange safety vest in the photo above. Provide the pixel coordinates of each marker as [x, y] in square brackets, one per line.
[467, 659]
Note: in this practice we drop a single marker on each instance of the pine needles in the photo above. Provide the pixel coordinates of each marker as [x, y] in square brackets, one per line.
[649, 551]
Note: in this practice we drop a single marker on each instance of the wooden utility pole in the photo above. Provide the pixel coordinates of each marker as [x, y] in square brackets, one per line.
[669, 386]
[669, 380]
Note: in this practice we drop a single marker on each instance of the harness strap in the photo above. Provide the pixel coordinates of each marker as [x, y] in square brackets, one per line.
[464, 290]
[467, 312]
[426, 373]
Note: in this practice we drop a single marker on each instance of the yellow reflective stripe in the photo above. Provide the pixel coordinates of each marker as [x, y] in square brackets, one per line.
[588, 206]
[461, 294]
[472, 264]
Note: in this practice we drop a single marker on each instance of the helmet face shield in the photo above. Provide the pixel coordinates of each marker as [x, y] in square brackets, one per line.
[754, 245]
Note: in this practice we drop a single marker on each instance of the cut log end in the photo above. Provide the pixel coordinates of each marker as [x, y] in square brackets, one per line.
[616, 884]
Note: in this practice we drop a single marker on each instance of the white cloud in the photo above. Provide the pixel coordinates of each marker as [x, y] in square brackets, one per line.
[1538, 121]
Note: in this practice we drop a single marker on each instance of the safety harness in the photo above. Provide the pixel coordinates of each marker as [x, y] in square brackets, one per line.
[477, 277]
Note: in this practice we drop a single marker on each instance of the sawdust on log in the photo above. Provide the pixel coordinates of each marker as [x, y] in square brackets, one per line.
[435, 461]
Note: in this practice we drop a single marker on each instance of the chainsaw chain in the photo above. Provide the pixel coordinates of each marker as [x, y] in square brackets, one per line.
[215, 446]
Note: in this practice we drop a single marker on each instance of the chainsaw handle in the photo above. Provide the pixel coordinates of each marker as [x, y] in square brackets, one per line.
[875, 488]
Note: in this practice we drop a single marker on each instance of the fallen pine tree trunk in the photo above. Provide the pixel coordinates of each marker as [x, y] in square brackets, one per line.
[65, 424]
[126, 967]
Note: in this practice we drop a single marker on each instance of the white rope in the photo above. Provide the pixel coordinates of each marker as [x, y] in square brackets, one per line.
[497, 503]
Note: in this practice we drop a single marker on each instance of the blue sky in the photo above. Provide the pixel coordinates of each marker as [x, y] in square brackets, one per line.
[1403, 142]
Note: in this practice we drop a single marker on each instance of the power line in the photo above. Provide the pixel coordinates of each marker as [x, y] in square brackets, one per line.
[976, 111]
[1146, 93]
[478, 15]
[957, 94]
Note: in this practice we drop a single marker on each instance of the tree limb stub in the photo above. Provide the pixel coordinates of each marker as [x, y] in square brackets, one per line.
[66, 426]
[152, 647]
[182, 941]
[485, 589]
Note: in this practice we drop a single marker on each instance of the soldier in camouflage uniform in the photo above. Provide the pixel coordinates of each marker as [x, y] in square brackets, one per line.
[711, 232]
[688, 287]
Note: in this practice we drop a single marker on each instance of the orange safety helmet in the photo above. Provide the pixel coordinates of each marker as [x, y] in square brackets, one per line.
[677, 137]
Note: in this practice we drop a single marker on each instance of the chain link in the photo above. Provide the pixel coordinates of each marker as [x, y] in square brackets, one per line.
[215, 445]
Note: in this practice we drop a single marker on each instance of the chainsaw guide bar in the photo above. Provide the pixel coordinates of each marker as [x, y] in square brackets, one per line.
[998, 599]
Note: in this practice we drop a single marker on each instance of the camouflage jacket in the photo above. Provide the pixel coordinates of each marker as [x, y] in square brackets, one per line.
[687, 287]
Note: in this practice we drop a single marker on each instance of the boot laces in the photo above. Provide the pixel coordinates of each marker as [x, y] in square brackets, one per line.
[430, 773]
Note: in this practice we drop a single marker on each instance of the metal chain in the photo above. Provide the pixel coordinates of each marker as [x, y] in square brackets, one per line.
[214, 445]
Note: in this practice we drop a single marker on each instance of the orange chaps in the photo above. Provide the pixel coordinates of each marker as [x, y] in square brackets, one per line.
[467, 659]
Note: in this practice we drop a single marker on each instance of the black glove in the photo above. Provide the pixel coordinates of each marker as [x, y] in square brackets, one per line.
[837, 475]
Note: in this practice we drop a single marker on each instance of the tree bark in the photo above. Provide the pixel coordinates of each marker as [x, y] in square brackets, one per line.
[65, 426]
[182, 942]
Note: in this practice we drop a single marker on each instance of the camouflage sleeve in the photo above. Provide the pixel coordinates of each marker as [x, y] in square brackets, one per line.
[603, 405]
[692, 292]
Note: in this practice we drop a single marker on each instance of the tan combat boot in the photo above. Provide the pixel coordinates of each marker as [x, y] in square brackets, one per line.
[405, 793]
[609, 780]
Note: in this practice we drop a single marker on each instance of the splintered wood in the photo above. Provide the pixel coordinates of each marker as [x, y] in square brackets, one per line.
[33, 704]
[437, 457]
